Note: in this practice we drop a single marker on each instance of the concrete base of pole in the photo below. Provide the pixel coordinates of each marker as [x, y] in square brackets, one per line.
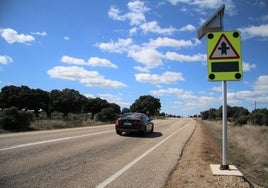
[232, 170]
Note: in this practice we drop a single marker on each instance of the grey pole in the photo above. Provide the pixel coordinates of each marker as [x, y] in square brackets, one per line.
[224, 165]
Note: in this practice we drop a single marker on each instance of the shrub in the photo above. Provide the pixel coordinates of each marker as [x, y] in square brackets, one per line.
[14, 120]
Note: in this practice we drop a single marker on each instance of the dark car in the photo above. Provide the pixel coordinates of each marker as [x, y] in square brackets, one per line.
[134, 122]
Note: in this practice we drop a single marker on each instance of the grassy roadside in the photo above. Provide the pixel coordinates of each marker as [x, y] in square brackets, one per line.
[247, 148]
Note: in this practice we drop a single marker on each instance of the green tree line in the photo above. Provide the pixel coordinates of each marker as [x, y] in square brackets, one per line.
[238, 115]
[16, 100]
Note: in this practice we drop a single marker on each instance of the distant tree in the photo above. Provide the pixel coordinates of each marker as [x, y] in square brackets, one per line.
[125, 110]
[12, 96]
[15, 120]
[211, 114]
[146, 104]
[94, 106]
[39, 99]
[241, 120]
[67, 100]
[259, 117]
[109, 113]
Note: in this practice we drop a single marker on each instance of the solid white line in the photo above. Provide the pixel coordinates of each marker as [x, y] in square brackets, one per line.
[53, 140]
[129, 165]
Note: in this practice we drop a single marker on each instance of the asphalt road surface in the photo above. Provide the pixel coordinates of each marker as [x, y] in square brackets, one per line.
[93, 156]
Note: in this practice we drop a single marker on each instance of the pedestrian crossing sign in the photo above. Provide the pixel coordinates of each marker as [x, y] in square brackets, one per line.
[224, 56]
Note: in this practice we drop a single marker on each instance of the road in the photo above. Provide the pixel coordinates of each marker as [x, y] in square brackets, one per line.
[93, 156]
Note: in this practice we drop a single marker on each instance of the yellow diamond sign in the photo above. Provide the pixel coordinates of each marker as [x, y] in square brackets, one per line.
[224, 56]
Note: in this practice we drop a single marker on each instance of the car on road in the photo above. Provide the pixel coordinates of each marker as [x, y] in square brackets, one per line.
[134, 122]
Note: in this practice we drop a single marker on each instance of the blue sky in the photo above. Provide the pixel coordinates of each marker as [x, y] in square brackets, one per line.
[119, 50]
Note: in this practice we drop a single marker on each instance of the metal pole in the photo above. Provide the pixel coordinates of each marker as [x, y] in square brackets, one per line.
[224, 165]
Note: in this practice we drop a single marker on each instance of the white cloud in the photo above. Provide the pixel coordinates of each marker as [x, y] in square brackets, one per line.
[167, 91]
[165, 78]
[188, 27]
[11, 36]
[93, 61]
[173, 56]
[261, 85]
[217, 88]
[66, 38]
[43, 34]
[202, 6]
[248, 67]
[153, 27]
[135, 15]
[4, 59]
[114, 14]
[100, 62]
[88, 78]
[187, 100]
[170, 42]
[120, 46]
[114, 99]
[254, 31]
[150, 57]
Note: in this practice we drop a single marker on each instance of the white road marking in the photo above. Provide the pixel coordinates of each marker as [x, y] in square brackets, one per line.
[129, 165]
[53, 140]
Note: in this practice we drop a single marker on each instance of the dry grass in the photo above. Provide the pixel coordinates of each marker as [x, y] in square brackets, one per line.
[247, 149]
[60, 124]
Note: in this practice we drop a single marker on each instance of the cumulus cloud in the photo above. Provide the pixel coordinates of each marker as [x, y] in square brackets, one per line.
[170, 42]
[4, 59]
[119, 46]
[153, 27]
[188, 27]
[88, 78]
[261, 85]
[254, 31]
[93, 61]
[204, 5]
[248, 67]
[43, 34]
[11, 36]
[165, 78]
[173, 56]
[149, 57]
[135, 15]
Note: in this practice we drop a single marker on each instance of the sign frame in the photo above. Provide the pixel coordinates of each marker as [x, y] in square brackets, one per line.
[224, 56]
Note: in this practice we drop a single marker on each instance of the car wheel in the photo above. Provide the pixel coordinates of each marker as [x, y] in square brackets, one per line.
[152, 130]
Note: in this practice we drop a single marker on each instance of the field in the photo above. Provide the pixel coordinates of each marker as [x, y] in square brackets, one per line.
[247, 148]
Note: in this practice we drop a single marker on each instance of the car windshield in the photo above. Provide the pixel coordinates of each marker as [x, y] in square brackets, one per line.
[131, 116]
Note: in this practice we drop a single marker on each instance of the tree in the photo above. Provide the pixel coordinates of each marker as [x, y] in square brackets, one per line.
[259, 117]
[67, 100]
[125, 110]
[14, 119]
[94, 106]
[146, 104]
[109, 113]
[11, 96]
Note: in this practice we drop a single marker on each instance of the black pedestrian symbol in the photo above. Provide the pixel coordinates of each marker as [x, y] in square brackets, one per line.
[223, 48]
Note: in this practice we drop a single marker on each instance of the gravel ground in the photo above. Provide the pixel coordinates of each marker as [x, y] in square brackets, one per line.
[193, 169]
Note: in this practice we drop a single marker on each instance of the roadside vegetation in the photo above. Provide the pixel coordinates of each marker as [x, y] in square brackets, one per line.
[247, 148]
[24, 109]
[238, 115]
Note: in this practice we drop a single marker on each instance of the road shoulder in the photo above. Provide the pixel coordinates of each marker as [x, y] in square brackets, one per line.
[193, 169]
